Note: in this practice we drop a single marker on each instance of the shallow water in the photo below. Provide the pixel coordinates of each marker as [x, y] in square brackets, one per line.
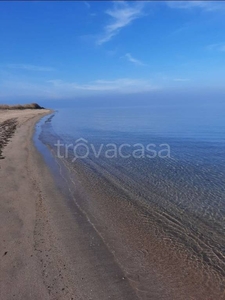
[164, 217]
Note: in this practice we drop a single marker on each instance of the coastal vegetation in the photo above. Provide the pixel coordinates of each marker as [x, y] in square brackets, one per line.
[19, 106]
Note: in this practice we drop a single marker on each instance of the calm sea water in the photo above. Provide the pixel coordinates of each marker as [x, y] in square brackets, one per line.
[183, 192]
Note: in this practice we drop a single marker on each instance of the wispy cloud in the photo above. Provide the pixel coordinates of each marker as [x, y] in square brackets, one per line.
[17, 87]
[59, 89]
[122, 85]
[13, 85]
[87, 4]
[30, 67]
[204, 5]
[181, 79]
[216, 47]
[133, 60]
[122, 14]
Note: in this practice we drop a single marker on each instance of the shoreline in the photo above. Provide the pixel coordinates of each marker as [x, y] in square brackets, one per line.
[39, 260]
[54, 247]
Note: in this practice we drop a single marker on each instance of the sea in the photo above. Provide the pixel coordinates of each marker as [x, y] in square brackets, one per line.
[147, 171]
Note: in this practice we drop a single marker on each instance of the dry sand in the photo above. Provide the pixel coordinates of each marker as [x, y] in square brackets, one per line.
[20, 274]
[48, 250]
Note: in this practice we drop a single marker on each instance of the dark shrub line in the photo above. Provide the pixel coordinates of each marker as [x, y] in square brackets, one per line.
[19, 106]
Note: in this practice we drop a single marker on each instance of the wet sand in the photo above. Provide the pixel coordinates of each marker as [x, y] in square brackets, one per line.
[79, 234]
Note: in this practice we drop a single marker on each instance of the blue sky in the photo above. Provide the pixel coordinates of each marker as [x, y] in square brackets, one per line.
[58, 50]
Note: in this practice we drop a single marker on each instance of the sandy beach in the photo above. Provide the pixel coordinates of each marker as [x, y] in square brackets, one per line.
[41, 257]
[21, 273]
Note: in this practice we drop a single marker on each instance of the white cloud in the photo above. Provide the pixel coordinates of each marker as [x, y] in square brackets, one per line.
[133, 60]
[122, 85]
[87, 4]
[30, 67]
[181, 79]
[58, 89]
[23, 88]
[217, 47]
[204, 5]
[122, 14]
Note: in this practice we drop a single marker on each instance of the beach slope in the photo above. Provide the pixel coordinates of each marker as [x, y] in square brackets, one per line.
[48, 247]
[21, 273]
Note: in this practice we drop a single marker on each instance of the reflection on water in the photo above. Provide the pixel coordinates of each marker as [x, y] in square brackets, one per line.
[181, 197]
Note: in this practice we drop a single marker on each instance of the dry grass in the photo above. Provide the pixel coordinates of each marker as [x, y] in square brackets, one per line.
[19, 106]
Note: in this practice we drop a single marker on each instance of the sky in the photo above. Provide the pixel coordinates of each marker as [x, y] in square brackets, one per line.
[64, 50]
